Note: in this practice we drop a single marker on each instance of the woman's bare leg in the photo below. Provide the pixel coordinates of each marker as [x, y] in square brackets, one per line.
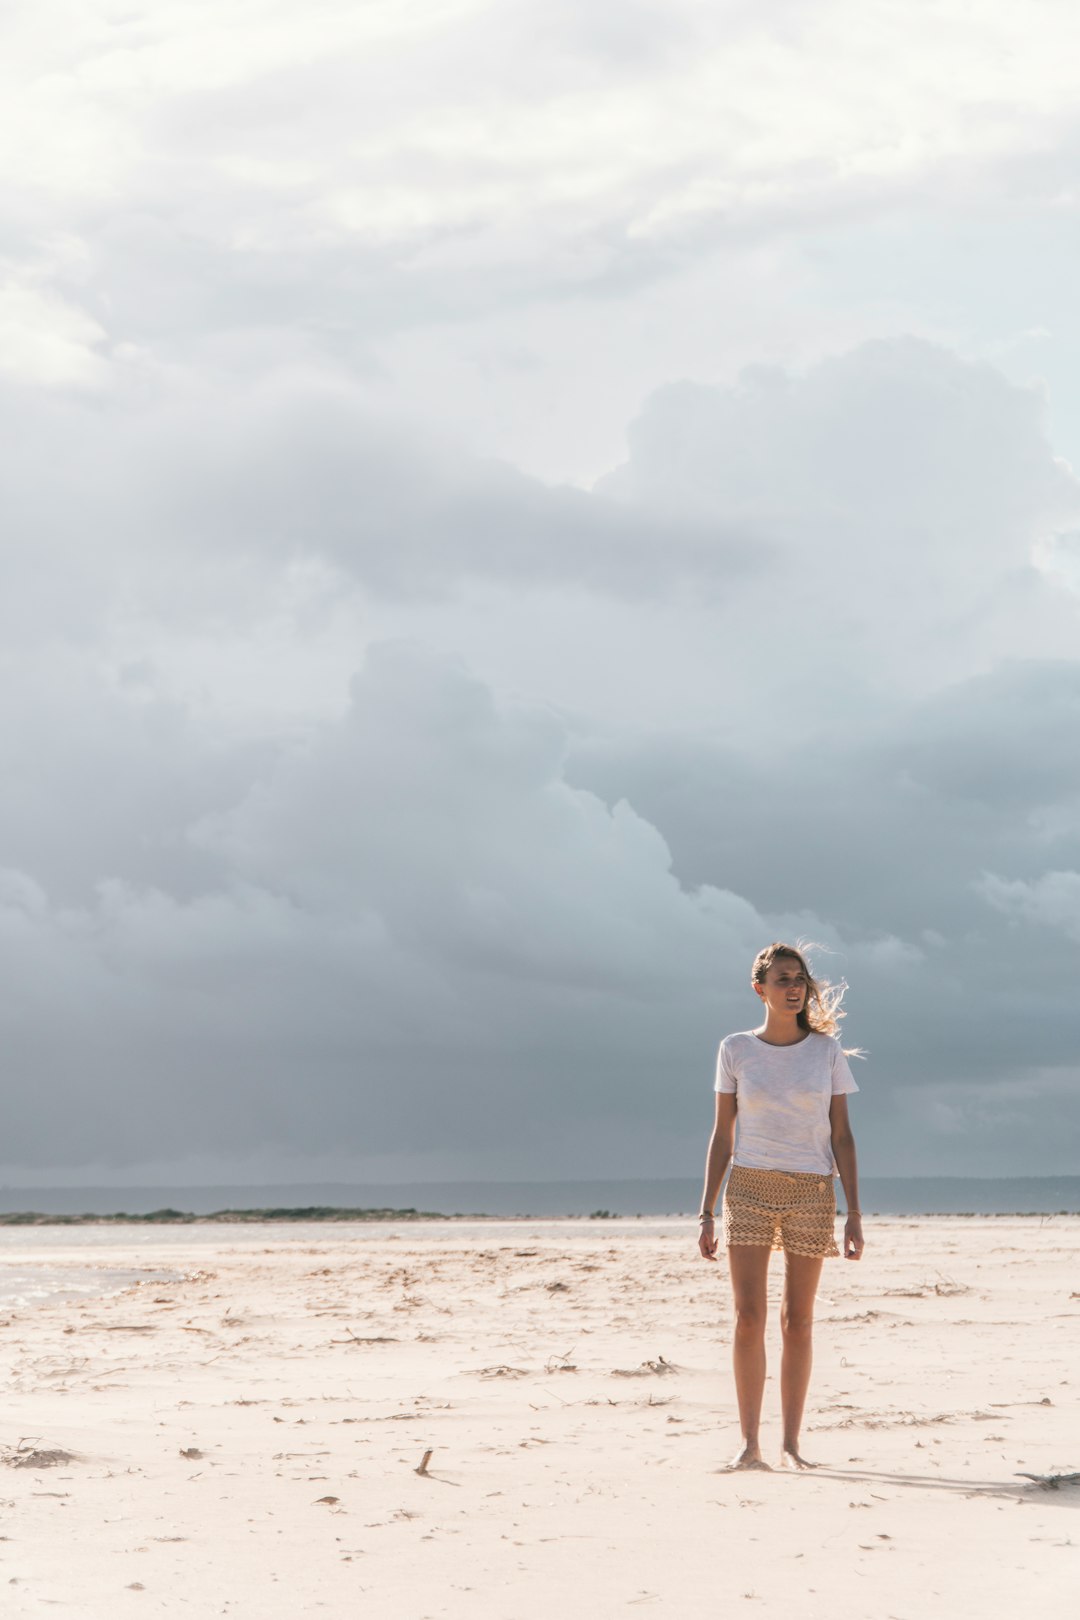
[801, 1276]
[749, 1263]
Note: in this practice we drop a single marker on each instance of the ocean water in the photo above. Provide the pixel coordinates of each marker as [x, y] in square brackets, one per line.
[918, 1195]
[26, 1284]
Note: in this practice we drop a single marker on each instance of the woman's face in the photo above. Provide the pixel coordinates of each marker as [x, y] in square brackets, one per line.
[784, 989]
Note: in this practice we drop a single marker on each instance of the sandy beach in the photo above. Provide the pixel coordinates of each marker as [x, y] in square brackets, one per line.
[243, 1439]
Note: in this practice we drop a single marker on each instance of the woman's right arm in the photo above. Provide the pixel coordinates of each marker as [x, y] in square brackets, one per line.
[721, 1146]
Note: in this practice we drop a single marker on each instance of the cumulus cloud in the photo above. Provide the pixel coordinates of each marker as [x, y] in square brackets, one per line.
[906, 488]
[47, 340]
[804, 662]
[894, 474]
[442, 921]
[411, 932]
[199, 494]
[1059, 556]
[1052, 900]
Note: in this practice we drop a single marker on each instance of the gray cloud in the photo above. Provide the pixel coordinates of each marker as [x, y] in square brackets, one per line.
[896, 467]
[805, 663]
[417, 935]
[1052, 900]
[202, 495]
[443, 923]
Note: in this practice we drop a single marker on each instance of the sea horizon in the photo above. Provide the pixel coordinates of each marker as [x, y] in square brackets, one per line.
[881, 1195]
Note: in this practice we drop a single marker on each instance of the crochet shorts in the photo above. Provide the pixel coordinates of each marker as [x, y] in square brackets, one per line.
[794, 1212]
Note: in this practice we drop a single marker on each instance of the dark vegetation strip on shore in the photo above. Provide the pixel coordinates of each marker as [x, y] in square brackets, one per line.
[329, 1215]
[180, 1217]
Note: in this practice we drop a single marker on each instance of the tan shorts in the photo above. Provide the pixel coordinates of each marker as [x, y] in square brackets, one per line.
[794, 1212]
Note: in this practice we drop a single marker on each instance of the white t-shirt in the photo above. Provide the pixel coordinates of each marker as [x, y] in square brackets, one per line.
[784, 1092]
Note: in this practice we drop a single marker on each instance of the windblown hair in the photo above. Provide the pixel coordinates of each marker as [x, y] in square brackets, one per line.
[821, 1012]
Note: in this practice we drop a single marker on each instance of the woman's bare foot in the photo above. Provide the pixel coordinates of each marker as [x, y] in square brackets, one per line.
[791, 1459]
[749, 1457]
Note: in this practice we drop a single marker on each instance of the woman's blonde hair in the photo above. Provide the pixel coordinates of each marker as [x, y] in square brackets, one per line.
[821, 1012]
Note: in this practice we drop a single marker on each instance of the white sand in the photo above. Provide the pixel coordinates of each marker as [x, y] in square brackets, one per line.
[573, 1381]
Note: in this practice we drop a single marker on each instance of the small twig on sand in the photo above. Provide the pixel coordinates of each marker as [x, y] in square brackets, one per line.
[425, 1459]
[547, 1391]
[354, 1338]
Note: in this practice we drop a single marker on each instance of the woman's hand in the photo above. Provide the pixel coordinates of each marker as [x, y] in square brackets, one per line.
[853, 1238]
[707, 1240]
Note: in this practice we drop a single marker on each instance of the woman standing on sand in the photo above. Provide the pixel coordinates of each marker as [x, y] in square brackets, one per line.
[787, 1084]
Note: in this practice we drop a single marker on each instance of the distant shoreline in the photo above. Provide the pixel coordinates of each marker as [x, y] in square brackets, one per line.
[220, 1217]
[169, 1204]
[331, 1216]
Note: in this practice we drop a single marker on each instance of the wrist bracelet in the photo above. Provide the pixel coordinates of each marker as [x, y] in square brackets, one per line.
[706, 1217]
[853, 1212]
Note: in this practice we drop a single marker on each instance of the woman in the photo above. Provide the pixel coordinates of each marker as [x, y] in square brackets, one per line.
[787, 1084]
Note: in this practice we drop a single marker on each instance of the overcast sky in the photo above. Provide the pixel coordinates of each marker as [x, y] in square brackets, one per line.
[507, 507]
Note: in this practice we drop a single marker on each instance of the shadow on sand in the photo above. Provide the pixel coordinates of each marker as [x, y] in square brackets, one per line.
[1050, 1490]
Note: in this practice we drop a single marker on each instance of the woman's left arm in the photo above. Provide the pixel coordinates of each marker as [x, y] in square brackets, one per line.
[843, 1146]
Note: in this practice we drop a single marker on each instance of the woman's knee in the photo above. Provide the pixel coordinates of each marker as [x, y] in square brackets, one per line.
[796, 1324]
[750, 1319]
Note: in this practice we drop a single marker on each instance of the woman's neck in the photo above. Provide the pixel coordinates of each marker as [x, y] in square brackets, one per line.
[781, 1030]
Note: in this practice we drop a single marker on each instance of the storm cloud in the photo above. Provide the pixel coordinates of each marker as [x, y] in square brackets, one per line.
[487, 546]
